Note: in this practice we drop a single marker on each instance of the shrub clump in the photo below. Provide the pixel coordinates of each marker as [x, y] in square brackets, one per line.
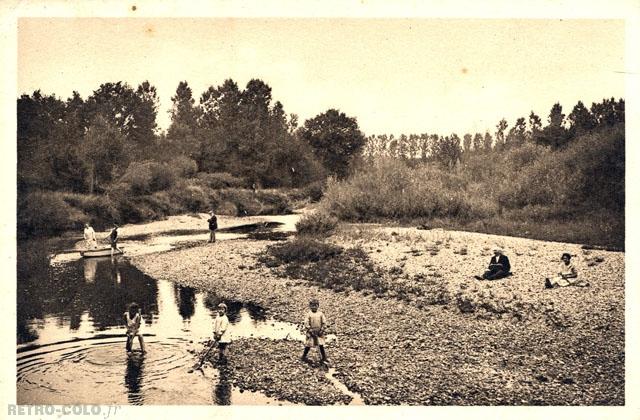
[304, 250]
[221, 180]
[45, 213]
[249, 203]
[101, 211]
[317, 223]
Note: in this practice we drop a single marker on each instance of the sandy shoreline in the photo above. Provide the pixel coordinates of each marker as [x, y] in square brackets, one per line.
[506, 342]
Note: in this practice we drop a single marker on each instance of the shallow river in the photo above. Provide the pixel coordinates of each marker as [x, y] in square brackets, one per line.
[71, 342]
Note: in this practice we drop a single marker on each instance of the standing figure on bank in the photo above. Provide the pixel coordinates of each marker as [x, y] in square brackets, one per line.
[113, 239]
[133, 318]
[499, 267]
[315, 323]
[567, 275]
[213, 226]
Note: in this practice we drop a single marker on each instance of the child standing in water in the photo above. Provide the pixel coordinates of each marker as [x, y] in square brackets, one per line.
[220, 333]
[133, 317]
[315, 323]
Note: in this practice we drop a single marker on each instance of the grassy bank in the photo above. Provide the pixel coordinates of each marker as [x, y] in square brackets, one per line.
[575, 194]
[44, 213]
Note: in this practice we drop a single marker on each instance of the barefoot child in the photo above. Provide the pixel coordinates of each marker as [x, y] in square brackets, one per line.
[315, 323]
[134, 320]
[220, 333]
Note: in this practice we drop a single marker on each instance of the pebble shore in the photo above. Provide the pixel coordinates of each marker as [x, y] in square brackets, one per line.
[508, 342]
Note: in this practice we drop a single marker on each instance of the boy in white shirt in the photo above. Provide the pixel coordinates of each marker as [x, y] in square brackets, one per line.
[220, 331]
[315, 323]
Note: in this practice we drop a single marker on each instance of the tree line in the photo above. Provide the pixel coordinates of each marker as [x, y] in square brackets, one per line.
[103, 158]
[559, 132]
[85, 145]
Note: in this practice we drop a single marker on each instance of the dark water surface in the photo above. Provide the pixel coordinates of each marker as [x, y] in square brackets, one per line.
[70, 334]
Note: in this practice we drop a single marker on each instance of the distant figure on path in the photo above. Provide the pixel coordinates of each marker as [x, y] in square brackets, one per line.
[499, 267]
[213, 226]
[90, 237]
[133, 317]
[567, 275]
[220, 333]
[315, 323]
[113, 239]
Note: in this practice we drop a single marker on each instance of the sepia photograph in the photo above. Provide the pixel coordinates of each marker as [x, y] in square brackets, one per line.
[319, 210]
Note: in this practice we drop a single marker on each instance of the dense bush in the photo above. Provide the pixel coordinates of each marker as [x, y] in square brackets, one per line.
[44, 213]
[250, 203]
[221, 180]
[273, 202]
[227, 208]
[100, 209]
[191, 197]
[317, 223]
[309, 193]
[183, 167]
[589, 171]
[147, 177]
[390, 189]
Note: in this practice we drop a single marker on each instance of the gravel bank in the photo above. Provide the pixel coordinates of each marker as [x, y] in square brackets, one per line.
[512, 342]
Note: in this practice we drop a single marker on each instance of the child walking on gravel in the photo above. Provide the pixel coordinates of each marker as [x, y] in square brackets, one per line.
[133, 318]
[315, 323]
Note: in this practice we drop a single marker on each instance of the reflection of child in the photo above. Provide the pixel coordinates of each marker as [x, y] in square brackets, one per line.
[133, 318]
[567, 275]
[220, 333]
[315, 323]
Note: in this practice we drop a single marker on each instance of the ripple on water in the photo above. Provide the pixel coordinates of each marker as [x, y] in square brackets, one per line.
[100, 372]
[103, 373]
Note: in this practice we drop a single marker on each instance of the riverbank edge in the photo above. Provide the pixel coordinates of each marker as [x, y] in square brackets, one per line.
[283, 298]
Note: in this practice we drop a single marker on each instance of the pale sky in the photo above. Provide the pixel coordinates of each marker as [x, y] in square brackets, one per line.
[394, 75]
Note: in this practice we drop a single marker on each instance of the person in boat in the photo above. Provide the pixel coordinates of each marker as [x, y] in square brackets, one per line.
[113, 239]
[133, 318]
[567, 275]
[90, 237]
[213, 226]
[499, 267]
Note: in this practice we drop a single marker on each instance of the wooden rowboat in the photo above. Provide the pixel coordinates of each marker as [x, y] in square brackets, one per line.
[102, 252]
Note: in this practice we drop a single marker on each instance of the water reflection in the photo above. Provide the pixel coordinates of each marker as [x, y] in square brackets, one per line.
[90, 266]
[186, 301]
[222, 390]
[133, 378]
[66, 307]
[96, 290]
